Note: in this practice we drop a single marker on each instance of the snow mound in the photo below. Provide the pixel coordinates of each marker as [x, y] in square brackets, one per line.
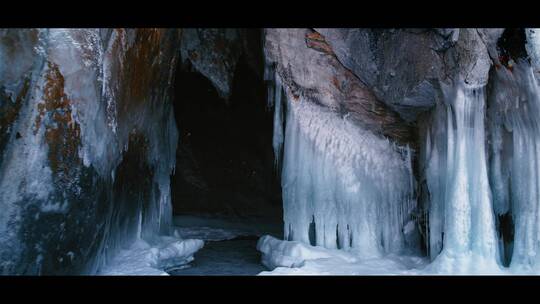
[296, 258]
[141, 258]
[470, 263]
[278, 253]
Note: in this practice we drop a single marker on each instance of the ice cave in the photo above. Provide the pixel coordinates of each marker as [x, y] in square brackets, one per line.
[276, 151]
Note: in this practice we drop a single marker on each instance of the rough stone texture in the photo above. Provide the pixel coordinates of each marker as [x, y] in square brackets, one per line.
[308, 66]
[71, 101]
[405, 68]
[215, 53]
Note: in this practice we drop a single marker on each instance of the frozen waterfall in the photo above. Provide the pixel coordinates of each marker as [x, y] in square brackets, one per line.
[343, 187]
[515, 170]
[461, 220]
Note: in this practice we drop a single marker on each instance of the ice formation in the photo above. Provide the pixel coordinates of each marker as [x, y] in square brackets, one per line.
[461, 220]
[297, 258]
[103, 142]
[515, 170]
[141, 258]
[278, 253]
[343, 187]
[348, 194]
[275, 101]
[64, 211]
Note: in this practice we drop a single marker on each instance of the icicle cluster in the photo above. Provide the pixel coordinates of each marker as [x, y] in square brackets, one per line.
[351, 188]
[345, 188]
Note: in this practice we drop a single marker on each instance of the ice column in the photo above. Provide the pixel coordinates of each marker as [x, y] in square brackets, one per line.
[516, 159]
[461, 221]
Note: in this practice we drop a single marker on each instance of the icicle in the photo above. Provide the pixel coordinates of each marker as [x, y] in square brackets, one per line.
[277, 140]
[355, 185]
[275, 96]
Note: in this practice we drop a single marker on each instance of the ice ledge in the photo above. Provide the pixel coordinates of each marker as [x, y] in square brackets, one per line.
[142, 258]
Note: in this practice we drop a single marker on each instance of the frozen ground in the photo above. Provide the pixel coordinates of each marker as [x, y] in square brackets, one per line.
[296, 258]
[231, 247]
[334, 266]
[230, 244]
[237, 256]
[243, 247]
[142, 258]
[228, 248]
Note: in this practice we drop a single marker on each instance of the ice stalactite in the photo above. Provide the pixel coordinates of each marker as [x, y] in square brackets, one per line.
[461, 220]
[515, 117]
[275, 100]
[350, 186]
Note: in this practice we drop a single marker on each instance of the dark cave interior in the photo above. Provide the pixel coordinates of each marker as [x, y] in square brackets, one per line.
[224, 157]
[511, 45]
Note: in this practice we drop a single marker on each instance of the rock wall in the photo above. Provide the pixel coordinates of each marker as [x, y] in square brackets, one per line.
[72, 102]
[405, 68]
[88, 136]
[215, 53]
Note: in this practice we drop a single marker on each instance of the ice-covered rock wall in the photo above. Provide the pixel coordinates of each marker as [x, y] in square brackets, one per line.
[344, 184]
[352, 100]
[72, 101]
[386, 140]
[480, 161]
[405, 67]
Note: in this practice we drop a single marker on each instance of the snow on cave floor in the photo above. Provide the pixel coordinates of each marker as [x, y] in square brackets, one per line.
[230, 245]
[238, 256]
[230, 248]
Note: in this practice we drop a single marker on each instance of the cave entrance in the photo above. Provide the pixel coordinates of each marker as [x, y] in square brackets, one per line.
[225, 181]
